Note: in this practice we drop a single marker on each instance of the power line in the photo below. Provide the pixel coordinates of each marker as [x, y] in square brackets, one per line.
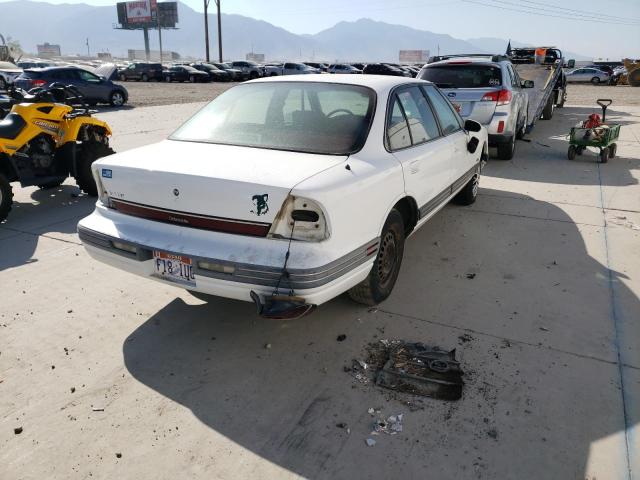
[598, 18]
[580, 11]
[493, 5]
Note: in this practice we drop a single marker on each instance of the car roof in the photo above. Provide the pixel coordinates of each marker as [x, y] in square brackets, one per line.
[376, 82]
[458, 60]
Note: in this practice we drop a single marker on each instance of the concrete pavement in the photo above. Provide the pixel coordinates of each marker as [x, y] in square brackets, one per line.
[186, 389]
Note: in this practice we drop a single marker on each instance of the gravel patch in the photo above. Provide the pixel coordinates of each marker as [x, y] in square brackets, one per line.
[145, 94]
[582, 94]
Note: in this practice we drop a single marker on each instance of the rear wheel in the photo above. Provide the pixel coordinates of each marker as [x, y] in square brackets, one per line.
[604, 155]
[523, 129]
[145, 77]
[506, 150]
[88, 153]
[613, 150]
[547, 113]
[384, 273]
[571, 153]
[595, 80]
[192, 79]
[6, 197]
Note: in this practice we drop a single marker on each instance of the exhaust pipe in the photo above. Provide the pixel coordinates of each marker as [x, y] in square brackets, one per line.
[282, 307]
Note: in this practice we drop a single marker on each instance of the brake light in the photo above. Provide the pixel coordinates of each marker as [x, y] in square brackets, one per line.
[502, 97]
[38, 83]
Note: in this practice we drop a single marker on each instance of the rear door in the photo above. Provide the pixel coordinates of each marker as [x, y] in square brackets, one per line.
[415, 140]
[466, 84]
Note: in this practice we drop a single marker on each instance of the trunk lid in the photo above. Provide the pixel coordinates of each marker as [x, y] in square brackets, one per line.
[468, 102]
[239, 184]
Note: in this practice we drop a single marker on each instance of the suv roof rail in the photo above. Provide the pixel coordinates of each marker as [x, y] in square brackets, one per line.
[493, 57]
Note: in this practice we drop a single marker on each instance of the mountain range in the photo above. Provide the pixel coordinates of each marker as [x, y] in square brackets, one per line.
[72, 26]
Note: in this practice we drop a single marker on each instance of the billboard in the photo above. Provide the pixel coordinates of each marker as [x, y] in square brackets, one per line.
[414, 56]
[139, 12]
[147, 13]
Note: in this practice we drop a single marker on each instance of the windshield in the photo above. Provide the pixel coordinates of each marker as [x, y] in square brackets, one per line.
[463, 76]
[310, 117]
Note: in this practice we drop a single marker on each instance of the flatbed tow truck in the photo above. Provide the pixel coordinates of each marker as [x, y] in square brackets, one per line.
[543, 65]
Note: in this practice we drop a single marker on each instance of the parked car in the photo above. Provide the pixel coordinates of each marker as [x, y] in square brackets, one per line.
[605, 68]
[329, 176]
[184, 73]
[8, 73]
[235, 74]
[250, 70]
[318, 65]
[343, 68]
[402, 68]
[382, 69]
[592, 75]
[487, 91]
[289, 68]
[24, 64]
[359, 66]
[95, 89]
[142, 71]
[215, 74]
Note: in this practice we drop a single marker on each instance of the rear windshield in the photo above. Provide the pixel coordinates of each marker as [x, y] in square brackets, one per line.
[325, 118]
[463, 76]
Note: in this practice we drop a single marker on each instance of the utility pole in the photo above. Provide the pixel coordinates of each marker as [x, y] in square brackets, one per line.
[88, 51]
[206, 28]
[219, 31]
[159, 33]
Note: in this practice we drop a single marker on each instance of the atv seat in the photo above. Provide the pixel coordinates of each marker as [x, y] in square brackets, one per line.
[11, 126]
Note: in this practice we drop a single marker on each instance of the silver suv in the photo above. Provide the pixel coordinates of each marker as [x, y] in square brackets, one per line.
[486, 89]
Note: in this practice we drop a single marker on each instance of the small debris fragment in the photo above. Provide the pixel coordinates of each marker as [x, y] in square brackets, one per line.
[471, 276]
[118, 455]
[341, 338]
[544, 329]
[465, 337]
[69, 311]
[371, 411]
[98, 409]
[53, 367]
[17, 430]
[370, 442]
[73, 389]
[267, 346]
[362, 364]
[341, 425]
[493, 433]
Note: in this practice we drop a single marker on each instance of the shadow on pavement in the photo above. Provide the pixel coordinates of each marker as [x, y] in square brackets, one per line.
[282, 403]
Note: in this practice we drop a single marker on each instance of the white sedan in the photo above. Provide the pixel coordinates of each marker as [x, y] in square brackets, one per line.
[288, 191]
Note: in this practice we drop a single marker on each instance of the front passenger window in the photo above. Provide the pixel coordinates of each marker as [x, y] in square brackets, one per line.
[449, 120]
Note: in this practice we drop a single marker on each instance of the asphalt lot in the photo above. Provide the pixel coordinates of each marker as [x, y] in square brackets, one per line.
[547, 333]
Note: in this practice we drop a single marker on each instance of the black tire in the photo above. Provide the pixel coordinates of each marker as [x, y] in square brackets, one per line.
[506, 150]
[523, 129]
[123, 78]
[117, 99]
[604, 155]
[563, 98]
[571, 153]
[384, 273]
[547, 113]
[52, 184]
[88, 153]
[6, 197]
[192, 79]
[145, 77]
[167, 79]
[595, 80]
[468, 195]
[613, 150]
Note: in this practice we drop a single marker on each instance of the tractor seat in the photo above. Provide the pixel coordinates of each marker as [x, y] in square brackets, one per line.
[11, 126]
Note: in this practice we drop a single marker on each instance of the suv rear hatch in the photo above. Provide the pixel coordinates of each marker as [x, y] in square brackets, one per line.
[471, 87]
[29, 79]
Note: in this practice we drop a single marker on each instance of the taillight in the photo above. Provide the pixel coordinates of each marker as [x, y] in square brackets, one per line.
[300, 219]
[502, 97]
[38, 83]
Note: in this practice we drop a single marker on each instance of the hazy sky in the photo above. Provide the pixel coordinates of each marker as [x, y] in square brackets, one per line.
[602, 28]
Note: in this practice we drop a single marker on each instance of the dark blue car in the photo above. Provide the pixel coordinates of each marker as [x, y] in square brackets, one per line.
[95, 88]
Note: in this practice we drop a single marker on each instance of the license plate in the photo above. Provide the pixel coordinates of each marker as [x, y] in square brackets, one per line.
[174, 268]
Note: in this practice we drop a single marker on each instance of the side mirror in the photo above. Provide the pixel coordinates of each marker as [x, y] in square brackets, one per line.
[102, 78]
[472, 146]
[571, 63]
[472, 126]
[526, 84]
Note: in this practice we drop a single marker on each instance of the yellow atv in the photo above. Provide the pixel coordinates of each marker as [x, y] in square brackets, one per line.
[44, 139]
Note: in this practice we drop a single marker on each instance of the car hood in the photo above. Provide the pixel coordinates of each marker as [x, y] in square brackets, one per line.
[207, 179]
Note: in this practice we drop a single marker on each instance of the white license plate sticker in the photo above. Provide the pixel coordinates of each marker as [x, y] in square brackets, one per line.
[173, 268]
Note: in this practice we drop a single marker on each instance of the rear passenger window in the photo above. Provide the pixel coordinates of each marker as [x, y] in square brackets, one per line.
[397, 129]
[422, 123]
[449, 119]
